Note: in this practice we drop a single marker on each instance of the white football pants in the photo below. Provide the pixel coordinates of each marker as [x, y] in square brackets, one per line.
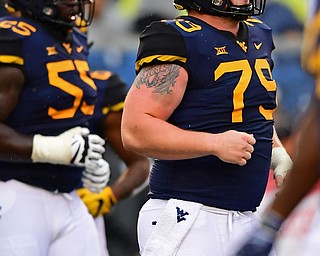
[214, 232]
[35, 222]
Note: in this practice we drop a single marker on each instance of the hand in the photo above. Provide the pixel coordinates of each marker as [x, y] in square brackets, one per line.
[281, 163]
[235, 147]
[74, 146]
[87, 149]
[98, 204]
[261, 240]
[96, 178]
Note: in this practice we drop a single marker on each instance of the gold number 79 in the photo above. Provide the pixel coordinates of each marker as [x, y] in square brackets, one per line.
[246, 74]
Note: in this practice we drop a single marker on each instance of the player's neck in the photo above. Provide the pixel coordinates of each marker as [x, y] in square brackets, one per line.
[221, 23]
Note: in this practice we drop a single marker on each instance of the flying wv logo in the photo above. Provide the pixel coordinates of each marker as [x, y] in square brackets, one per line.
[181, 215]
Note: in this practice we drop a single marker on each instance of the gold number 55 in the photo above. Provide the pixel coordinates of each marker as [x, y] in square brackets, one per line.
[54, 69]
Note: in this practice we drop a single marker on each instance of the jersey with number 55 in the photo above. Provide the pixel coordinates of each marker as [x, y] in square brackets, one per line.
[58, 93]
[230, 87]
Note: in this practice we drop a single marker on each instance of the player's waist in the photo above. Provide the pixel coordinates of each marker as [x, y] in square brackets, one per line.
[221, 211]
[47, 176]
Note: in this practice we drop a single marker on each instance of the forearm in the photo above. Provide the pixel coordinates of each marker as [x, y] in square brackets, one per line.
[75, 146]
[156, 138]
[131, 178]
[14, 146]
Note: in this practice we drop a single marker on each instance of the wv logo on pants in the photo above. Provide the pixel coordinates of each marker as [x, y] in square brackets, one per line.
[181, 214]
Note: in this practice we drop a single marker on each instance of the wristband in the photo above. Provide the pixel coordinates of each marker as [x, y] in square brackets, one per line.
[281, 162]
[55, 149]
[51, 150]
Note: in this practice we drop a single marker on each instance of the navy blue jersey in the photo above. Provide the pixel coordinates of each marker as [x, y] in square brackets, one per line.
[230, 87]
[58, 94]
[112, 92]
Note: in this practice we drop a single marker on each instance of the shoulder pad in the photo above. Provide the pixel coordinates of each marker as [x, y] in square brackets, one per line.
[254, 22]
[160, 43]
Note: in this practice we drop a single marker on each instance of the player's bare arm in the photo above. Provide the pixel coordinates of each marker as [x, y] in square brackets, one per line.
[137, 166]
[155, 94]
[13, 145]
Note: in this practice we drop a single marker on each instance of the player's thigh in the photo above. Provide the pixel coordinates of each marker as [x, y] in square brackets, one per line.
[100, 225]
[215, 233]
[77, 232]
[207, 236]
[23, 220]
[148, 218]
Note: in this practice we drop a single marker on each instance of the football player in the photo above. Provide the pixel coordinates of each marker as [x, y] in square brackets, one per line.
[46, 149]
[106, 121]
[202, 105]
[304, 174]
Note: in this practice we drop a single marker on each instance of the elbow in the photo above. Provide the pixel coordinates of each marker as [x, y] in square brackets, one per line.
[133, 137]
[146, 166]
[128, 141]
[126, 136]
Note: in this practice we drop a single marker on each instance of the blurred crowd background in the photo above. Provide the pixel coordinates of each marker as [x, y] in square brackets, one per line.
[115, 36]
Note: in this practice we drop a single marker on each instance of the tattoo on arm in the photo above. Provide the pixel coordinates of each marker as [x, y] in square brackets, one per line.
[161, 78]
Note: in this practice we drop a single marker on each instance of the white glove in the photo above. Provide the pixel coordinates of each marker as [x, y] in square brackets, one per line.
[281, 163]
[87, 150]
[96, 179]
[74, 146]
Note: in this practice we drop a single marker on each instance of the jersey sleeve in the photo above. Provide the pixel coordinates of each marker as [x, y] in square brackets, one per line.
[161, 43]
[112, 90]
[115, 93]
[11, 52]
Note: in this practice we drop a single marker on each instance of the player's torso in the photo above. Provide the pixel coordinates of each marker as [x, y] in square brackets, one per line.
[58, 94]
[230, 86]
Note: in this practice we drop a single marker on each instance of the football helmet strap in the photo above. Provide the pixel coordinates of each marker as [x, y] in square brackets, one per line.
[223, 7]
[49, 11]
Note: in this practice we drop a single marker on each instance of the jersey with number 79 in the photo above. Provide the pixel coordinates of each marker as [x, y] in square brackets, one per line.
[230, 87]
